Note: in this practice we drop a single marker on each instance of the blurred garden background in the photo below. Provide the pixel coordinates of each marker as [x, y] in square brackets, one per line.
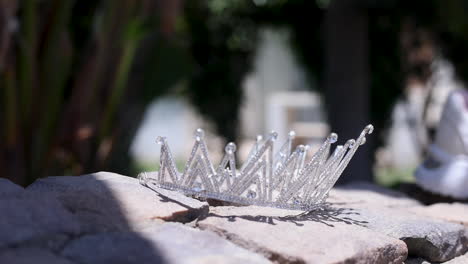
[88, 85]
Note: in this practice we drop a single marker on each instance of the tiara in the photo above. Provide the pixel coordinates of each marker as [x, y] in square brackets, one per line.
[283, 179]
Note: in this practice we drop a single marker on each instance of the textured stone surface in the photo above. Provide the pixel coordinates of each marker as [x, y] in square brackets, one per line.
[428, 238]
[115, 247]
[8, 188]
[459, 260]
[110, 218]
[106, 201]
[416, 261]
[453, 212]
[31, 255]
[327, 236]
[182, 244]
[365, 194]
[34, 219]
[392, 213]
[167, 243]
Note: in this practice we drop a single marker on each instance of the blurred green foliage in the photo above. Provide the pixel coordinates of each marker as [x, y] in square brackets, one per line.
[66, 72]
[393, 177]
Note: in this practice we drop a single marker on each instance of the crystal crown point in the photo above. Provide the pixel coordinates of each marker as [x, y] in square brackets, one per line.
[282, 179]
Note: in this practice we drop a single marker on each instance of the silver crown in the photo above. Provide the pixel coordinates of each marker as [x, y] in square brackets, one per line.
[282, 180]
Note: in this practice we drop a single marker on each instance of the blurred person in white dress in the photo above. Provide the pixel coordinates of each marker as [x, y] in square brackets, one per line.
[445, 170]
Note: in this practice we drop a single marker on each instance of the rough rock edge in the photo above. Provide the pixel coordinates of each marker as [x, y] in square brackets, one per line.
[423, 245]
[283, 258]
[415, 243]
[251, 246]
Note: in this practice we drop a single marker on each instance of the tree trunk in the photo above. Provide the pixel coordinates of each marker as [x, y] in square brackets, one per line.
[347, 80]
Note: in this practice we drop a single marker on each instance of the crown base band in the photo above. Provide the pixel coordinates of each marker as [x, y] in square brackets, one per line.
[153, 184]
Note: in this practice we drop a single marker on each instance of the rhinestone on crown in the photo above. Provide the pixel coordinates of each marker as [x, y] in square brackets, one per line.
[283, 179]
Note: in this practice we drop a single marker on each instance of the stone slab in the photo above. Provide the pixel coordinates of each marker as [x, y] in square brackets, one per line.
[431, 239]
[365, 194]
[8, 188]
[416, 261]
[325, 236]
[166, 243]
[108, 202]
[112, 247]
[28, 218]
[458, 260]
[31, 255]
[463, 259]
[453, 212]
[391, 213]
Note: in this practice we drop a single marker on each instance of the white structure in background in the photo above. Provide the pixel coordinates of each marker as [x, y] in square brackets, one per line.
[300, 111]
[276, 97]
[275, 70]
[171, 117]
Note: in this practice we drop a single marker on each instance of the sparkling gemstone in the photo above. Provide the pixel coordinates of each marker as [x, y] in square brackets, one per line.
[230, 148]
[143, 177]
[363, 141]
[292, 134]
[199, 134]
[274, 135]
[369, 129]
[333, 137]
[300, 148]
[197, 187]
[159, 140]
[296, 200]
[351, 143]
[278, 165]
[251, 194]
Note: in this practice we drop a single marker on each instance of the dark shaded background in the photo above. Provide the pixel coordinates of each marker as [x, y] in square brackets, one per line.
[76, 76]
